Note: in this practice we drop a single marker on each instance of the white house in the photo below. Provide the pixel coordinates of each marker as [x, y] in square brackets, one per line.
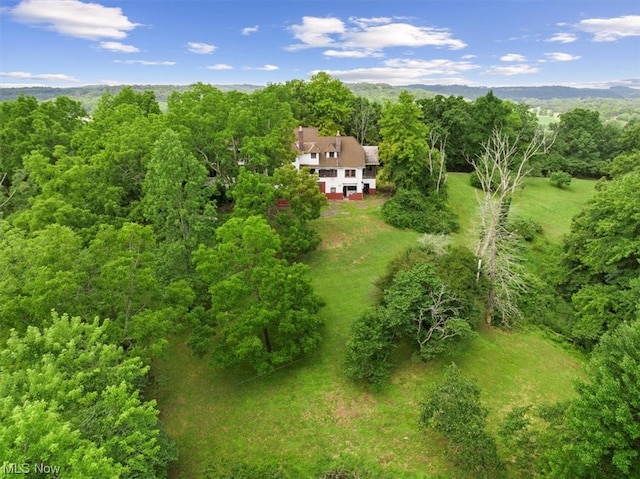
[345, 168]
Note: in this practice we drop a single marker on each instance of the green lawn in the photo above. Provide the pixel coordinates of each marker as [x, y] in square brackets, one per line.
[549, 205]
[308, 412]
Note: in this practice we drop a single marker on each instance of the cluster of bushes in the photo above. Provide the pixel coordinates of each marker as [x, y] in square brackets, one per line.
[427, 299]
[425, 213]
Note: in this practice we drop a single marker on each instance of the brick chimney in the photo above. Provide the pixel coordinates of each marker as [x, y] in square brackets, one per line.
[338, 143]
[300, 139]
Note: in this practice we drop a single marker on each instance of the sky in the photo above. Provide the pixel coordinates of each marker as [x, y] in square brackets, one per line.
[584, 43]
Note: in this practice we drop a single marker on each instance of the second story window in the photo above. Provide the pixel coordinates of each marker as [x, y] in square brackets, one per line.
[350, 173]
[328, 173]
[314, 156]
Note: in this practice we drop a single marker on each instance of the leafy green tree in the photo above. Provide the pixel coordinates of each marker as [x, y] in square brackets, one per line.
[364, 121]
[490, 114]
[40, 273]
[227, 131]
[34, 434]
[453, 409]
[118, 143]
[404, 148]
[373, 338]
[263, 310]
[26, 128]
[125, 288]
[449, 118]
[425, 310]
[625, 163]
[199, 115]
[69, 377]
[176, 202]
[330, 104]
[629, 139]
[257, 194]
[603, 431]
[67, 195]
[579, 143]
[601, 259]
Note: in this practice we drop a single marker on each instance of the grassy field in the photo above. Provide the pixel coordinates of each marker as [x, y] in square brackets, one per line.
[549, 205]
[307, 412]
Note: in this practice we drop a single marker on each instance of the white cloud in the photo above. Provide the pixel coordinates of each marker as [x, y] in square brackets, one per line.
[250, 30]
[432, 67]
[368, 35]
[145, 62]
[401, 35]
[563, 38]
[561, 57]
[513, 57]
[74, 18]
[268, 68]
[393, 76]
[520, 69]
[315, 32]
[352, 54]
[201, 48]
[611, 29]
[469, 57]
[118, 47]
[220, 66]
[39, 76]
[402, 71]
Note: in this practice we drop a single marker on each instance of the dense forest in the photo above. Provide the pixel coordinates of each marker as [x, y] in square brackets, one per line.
[131, 225]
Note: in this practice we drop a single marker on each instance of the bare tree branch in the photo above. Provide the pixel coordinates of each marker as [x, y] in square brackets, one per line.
[501, 169]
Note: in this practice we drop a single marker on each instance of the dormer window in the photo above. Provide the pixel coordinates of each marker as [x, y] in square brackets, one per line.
[314, 156]
[332, 154]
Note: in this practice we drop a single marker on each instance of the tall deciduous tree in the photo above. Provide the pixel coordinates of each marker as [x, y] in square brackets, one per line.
[602, 259]
[256, 194]
[330, 103]
[175, 194]
[126, 289]
[404, 147]
[603, 430]
[263, 310]
[68, 377]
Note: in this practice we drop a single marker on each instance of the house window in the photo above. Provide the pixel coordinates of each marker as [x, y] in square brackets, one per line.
[332, 154]
[328, 173]
[314, 156]
[350, 173]
[333, 189]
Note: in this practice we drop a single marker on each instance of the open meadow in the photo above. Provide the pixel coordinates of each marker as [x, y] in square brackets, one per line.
[307, 413]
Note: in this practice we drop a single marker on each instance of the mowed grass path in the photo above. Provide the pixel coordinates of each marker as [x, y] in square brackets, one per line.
[308, 412]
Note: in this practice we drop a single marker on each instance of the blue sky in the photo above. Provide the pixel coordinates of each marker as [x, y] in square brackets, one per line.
[473, 42]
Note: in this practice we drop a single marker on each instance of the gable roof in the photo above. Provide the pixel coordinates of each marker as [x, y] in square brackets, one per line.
[351, 154]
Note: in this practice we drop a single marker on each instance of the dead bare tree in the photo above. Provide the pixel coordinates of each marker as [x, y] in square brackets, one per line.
[501, 169]
[437, 158]
[439, 321]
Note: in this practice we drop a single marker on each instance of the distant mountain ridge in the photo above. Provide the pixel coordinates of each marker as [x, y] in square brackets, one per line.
[515, 93]
[521, 93]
